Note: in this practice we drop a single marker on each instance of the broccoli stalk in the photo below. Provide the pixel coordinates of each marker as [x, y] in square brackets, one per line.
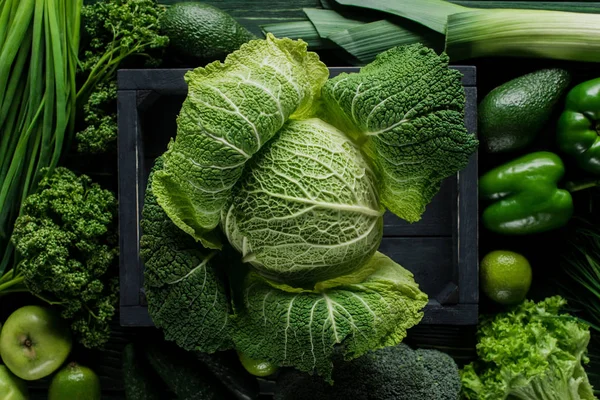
[66, 244]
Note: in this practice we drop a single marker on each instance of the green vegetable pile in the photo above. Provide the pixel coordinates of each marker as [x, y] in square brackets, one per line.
[294, 172]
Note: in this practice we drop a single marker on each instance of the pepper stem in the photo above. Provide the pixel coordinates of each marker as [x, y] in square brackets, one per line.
[577, 186]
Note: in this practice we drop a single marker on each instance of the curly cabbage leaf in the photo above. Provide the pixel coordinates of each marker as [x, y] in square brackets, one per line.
[232, 109]
[307, 208]
[300, 328]
[186, 294]
[406, 108]
[533, 352]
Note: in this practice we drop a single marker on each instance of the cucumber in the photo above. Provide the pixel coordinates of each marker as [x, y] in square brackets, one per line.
[140, 381]
[183, 374]
[226, 367]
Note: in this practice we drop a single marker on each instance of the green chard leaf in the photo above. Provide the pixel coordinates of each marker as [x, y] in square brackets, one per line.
[231, 111]
[300, 328]
[186, 294]
[406, 109]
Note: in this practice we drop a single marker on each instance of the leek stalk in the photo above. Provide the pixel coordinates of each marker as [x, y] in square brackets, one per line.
[430, 13]
[304, 30]
[524, 33]
[365, 41]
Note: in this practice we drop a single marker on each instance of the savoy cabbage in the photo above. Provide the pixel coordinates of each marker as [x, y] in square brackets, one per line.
[263, 218]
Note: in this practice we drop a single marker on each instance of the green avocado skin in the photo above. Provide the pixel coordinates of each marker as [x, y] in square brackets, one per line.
[512, 115]
[75, 382]
[202, 31]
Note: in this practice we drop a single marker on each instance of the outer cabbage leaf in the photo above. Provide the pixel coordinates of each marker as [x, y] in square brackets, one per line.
[232, 109]
[307, 208]
[300, 328]
[186, 295]
[406, 108]
[532, 352]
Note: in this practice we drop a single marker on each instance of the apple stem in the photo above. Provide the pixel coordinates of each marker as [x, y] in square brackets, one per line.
[28, 343]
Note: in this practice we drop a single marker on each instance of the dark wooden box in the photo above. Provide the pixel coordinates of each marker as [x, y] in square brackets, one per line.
[441, 249]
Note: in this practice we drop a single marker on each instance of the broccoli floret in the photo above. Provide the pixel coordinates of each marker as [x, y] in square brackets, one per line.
[391, 373]
[67, 243]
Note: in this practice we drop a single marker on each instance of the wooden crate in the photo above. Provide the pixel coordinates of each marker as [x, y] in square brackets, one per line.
[441, 249]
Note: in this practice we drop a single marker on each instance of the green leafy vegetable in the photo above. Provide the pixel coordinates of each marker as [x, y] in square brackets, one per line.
[232, 110]
[307, 209]
[300, 201]
[392, 373]
[116, 30]
[185, 295]
[295, 327]
[67, 243]
[407, 110]
[100, 114]
[533, 352]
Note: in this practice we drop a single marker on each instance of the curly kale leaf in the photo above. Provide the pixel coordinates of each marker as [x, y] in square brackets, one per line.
[66, 239]
[406, 109]
[100, 114]
[186, 294]
[116, 29]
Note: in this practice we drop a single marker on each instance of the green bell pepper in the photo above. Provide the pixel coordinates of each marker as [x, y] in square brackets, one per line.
[524, 195]
[578, 130]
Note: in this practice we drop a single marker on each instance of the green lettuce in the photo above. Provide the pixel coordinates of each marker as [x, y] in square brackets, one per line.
[533, 352]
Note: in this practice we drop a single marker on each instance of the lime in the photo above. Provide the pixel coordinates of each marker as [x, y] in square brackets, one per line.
[505, 276]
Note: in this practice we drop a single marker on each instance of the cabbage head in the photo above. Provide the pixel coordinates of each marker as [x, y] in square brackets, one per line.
[307, 208]
[263, 218]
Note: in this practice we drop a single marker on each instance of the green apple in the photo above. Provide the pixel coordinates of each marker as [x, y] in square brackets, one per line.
[11, 387]
[34, 342]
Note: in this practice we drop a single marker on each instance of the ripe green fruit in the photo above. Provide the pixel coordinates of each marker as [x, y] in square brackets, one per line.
[505, 276]
[11, 387]
[511, 116]
[34, 342]
[202, 31]
[75, 382]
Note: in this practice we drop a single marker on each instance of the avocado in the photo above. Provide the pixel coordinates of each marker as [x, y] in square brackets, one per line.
[512, 115]
[75, 382]
[202, 31]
